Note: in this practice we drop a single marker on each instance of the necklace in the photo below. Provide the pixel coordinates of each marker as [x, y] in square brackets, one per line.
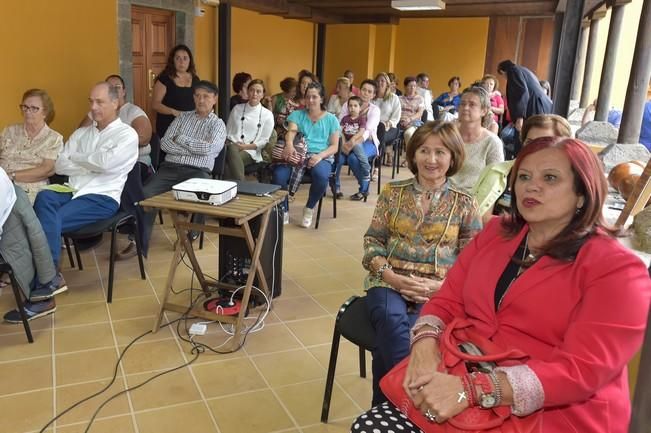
[527, 259]
[259, 124]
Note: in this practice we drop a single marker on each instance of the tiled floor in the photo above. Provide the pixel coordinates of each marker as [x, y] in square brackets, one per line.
[274, 384]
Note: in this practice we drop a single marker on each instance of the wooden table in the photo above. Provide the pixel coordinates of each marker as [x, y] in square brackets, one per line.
[242, 209]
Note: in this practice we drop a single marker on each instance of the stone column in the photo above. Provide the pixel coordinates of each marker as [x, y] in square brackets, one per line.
[638, 82]
[579, 61]
[610, 61]
[553, 60]
[589, 59]
[567, 55]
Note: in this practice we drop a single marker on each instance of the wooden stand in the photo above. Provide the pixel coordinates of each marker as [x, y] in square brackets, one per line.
[638, 198]
[241, 210]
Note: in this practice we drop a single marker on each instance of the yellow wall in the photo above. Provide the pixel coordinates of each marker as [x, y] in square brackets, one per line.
[349, 46]
[205, 46]
[58, 47]
[442, 48]
[385, 48]
[269, 47]
[625, 52]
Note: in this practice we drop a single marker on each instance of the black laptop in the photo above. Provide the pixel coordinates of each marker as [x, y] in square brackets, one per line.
[256, 188]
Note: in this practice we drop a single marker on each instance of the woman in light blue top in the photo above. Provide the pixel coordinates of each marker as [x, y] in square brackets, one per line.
[320, 131]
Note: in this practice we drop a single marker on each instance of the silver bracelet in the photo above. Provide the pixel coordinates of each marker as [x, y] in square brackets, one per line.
[381, 270]
[497, 389]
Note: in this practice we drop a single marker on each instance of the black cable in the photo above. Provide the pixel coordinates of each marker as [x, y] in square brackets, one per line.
[115, 374]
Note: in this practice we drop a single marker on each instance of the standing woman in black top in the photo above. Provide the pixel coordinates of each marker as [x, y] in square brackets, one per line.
[173, 88]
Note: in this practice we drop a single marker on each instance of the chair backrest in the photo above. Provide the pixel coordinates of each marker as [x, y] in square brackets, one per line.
[155, 154]
[220, 164]
[132, 191]
[354, 323]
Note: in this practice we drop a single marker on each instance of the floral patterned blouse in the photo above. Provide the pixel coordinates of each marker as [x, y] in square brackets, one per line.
[19, 152]
[423, 244]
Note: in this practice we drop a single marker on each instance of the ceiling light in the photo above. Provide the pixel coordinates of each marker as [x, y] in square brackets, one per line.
[418, 5]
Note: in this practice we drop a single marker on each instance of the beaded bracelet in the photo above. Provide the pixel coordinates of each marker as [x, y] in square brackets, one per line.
[434, 333]
[497, 388]
[469, 389]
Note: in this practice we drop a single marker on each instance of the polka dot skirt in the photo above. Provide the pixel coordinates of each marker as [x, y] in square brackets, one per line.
[385, 418]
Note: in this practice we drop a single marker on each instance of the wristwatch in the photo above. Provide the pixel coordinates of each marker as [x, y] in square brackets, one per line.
[488, 398]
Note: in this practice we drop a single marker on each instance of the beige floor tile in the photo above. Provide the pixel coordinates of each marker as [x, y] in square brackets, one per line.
[89, 277]
[68, 395]
[85, 366]
[313, 331]
[131, 288]
[360, 389]
[42, 324]
[272, 338]
[290, 367]
[131, 308]
[319, 284]
[172, 388]
[228, 377]
[25, 375]
[291, 289]
[15, 346]
[80, 314]
[81, 294]
[84, 337]
[193, 417]
[304, 402]
[347, 358]
[150, 356]
[119, 424]
[336, 426]
[332, 302]
[302, 307]
[257, 411]
[303, 268]
[127, 330]
[18, 411]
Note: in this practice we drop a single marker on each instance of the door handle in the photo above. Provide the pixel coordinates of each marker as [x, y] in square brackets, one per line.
[151, 77]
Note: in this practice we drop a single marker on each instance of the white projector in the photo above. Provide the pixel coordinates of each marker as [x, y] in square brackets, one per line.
[209, 191]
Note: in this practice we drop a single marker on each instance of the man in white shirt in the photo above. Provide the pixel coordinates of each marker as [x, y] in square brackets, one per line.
[97, 159]
[133, 116]
[422, 80]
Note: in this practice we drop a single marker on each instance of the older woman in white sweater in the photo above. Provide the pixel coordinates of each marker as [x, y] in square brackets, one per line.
[482, 146]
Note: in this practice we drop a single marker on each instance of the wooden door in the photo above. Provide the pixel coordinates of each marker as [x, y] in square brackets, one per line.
[153, 32]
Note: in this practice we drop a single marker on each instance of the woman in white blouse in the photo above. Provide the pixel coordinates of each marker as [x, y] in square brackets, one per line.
[247, 132]
[390, 111]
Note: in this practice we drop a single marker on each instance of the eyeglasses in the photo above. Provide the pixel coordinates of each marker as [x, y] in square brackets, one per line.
[29, 108]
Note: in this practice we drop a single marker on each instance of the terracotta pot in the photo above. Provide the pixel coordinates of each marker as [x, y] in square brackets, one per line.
[624, 176]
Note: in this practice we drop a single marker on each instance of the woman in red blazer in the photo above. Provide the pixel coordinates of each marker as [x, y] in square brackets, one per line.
[546, 279]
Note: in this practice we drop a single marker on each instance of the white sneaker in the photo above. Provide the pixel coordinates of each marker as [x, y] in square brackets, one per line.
[307, 217]
[286, 218]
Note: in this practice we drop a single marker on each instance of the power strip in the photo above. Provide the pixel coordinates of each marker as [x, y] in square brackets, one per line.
[198, 329]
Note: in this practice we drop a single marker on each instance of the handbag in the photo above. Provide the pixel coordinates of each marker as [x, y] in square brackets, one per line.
[296, 158]
[454, 361]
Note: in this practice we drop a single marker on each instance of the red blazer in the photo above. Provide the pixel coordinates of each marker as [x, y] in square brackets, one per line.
[580, 322]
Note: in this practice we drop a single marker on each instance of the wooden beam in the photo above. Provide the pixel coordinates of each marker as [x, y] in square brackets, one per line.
[566, 56]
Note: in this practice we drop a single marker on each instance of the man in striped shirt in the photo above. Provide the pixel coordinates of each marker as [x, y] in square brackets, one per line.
[191, 143]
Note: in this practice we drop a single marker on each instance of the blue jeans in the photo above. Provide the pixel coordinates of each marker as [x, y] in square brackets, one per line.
[392, 318]
[320, 174]
[362, 175]
[59, 213]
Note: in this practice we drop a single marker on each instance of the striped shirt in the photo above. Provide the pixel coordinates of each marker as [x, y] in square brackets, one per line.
[194, 141]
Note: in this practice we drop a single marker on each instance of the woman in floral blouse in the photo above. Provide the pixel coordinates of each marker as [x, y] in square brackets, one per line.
[29, 150]
[419, 227]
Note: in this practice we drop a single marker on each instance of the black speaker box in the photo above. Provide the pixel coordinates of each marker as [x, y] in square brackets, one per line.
[235, 259]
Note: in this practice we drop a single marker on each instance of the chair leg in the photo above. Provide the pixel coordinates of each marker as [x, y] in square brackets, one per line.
[362, 362]
[318, 212]
[330, 378]
[160, 217]
[66, 241]
[379, 177]
[21, 306]
[79, 263]
[201, 241]
[109, 295]
[334, 207]
[139, 251]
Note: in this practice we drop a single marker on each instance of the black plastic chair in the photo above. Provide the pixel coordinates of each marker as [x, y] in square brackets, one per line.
[124, 219]
[20, 305]
[354, 324]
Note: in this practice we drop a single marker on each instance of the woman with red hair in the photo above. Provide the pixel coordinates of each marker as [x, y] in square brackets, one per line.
[549, 281]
